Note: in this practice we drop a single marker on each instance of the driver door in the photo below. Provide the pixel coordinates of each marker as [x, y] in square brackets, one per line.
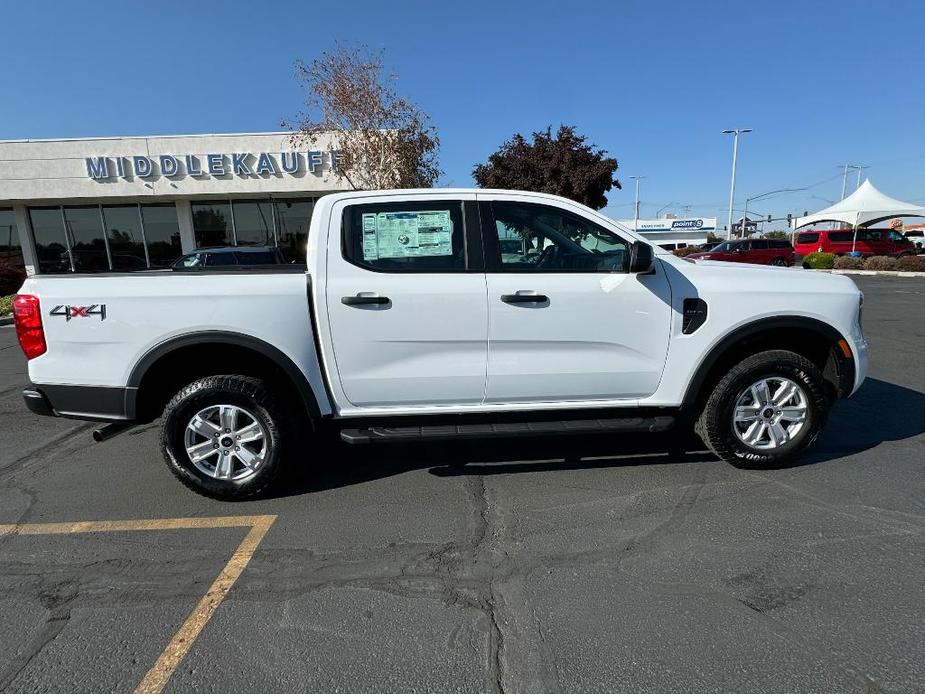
[567, 322]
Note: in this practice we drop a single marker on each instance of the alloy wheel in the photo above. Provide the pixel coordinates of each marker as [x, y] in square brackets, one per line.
[226, 442]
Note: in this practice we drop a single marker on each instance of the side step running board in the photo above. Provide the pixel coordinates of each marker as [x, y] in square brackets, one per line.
[474, 431]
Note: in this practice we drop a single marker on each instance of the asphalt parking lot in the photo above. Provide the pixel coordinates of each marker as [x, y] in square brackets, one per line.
[572, 565]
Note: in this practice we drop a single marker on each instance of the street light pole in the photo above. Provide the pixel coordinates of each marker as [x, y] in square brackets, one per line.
[636, 216]
[735, 132]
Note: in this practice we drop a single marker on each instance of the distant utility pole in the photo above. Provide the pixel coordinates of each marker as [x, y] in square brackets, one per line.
[636, 217]
[844, 181]
[859, 168]
[735, 153]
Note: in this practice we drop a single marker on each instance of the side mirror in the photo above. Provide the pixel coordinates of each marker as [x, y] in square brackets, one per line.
[641, 258]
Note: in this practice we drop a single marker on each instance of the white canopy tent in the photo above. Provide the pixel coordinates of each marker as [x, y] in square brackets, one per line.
[863, 206]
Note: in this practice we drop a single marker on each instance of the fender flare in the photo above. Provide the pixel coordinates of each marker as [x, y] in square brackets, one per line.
[743, 332]
[225, 337]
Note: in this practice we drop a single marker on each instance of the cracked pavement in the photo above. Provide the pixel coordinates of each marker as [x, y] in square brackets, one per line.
[558, 565]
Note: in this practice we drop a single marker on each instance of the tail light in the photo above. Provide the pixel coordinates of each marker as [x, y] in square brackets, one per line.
[28, 315]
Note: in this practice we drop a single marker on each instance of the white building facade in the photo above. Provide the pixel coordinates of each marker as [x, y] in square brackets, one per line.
[134, 203]
[674, 233]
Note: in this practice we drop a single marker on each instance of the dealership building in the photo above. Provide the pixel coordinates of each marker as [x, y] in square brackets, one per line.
[134, 203]
[672, 233]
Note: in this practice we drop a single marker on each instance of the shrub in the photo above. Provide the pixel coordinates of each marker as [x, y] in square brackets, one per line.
[6, 305]
[846, 262]
[911, 263]
[11, 279]
[880, 262]
[819, 261]
[687, 250]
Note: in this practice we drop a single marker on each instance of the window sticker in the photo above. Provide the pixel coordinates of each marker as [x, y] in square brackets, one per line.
[407, 234]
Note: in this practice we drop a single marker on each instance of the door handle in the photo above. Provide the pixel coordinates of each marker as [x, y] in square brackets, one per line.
[364, 300]
[524, 298]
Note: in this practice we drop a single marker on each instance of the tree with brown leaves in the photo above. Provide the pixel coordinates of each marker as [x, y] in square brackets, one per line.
[384, 140]
[563, 164]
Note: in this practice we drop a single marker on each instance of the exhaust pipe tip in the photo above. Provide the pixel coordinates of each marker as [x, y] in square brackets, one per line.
[107, 431]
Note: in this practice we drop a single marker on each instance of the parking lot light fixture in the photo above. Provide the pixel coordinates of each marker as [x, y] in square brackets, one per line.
[735, 132]
[636, 214]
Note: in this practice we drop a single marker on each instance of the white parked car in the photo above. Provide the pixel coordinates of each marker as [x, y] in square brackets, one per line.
[411, 321]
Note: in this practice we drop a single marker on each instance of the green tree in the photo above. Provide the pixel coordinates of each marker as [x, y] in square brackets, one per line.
[562, 164]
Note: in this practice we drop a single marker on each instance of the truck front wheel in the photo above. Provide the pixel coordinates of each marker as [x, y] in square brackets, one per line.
[222, 436]
[765, 411]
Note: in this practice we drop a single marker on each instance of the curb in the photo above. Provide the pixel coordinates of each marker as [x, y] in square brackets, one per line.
[874, 273]
[6, 320]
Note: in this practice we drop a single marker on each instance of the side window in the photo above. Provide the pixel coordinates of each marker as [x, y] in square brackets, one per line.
[406, 236]
[895, 236]
[758, 245]
[807, 238]
[216, 259]
[526, 237]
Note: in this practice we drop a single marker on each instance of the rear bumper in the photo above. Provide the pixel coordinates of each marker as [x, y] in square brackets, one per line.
[92, 403]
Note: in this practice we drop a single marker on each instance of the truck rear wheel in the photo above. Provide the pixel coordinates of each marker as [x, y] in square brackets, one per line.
[222, 436]
[765, 411]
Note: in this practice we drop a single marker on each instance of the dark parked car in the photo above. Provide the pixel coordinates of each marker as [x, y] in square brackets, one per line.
[229, 255]
[755, 251]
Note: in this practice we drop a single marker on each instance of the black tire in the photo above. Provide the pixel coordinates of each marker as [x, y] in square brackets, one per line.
[780, 262]
[249, 394]
[715, 424]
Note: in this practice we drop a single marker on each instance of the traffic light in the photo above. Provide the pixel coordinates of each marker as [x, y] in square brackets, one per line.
[769, 219]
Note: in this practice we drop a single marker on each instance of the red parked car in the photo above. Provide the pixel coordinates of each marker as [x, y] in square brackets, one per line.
[756, 251]
[839, 242]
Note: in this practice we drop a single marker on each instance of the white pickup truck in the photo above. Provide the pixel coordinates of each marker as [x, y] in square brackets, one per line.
[413, 321]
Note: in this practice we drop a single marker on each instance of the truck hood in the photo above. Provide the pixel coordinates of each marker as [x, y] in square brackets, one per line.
[745, 278]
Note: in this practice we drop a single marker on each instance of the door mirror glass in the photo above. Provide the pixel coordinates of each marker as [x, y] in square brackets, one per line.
[641, 257]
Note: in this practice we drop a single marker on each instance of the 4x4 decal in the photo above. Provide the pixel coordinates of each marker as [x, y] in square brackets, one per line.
[79, 311]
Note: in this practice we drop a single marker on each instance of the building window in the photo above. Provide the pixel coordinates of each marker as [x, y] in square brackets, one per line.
[162, 233]
[84, 227]
[292, 220]
[101, 238]
[253, 222]
[212, 224]
[283, 223]
[126, 242]
[50, 248]
[10, 248]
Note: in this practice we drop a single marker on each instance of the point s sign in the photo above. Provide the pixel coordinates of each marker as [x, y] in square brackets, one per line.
[687, 224]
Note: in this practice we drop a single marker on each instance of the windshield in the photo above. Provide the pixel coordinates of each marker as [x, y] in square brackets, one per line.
[727, 246]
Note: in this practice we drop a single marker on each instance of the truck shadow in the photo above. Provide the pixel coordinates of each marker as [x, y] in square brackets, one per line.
[879, 412]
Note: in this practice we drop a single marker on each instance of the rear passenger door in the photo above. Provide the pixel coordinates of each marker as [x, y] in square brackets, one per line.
[406, 301]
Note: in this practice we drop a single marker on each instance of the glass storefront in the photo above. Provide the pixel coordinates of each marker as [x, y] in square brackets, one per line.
[100, 238]
[10, 249]
[128, 237]
[254, 223]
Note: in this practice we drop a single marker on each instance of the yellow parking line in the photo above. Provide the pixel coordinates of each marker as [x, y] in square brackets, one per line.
[183, 640]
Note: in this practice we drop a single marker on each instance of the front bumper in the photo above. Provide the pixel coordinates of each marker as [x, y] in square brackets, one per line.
[92, 403]
[860, 349]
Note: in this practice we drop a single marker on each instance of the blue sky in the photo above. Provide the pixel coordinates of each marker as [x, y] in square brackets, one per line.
[821, 83]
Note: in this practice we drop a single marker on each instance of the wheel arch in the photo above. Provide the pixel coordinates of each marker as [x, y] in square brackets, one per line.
[814, 339]
[179, 359]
